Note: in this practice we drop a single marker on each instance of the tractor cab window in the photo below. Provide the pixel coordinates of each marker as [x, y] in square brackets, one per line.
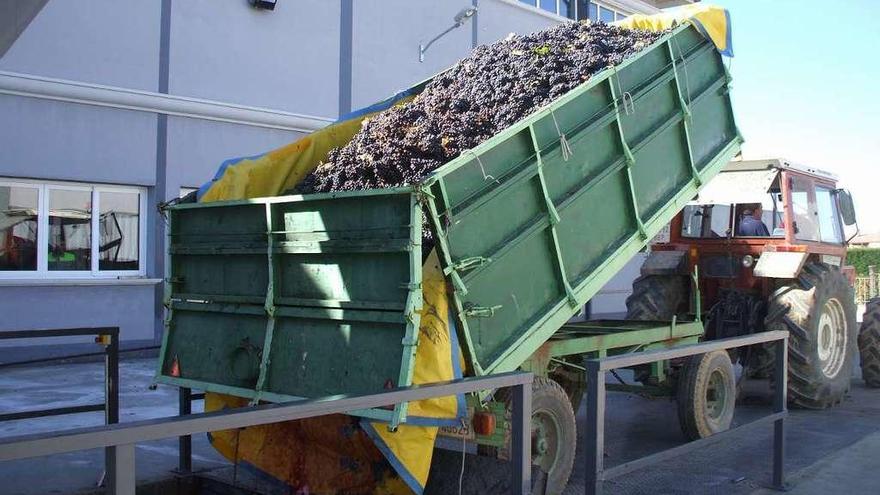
[768, 212]
[706, 221]
[803, 208]
[830, 229]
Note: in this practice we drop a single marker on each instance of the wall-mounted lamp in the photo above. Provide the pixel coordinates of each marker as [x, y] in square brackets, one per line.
[263, 4]
[459, 19]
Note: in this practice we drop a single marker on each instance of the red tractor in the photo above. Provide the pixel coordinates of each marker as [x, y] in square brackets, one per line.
[766, 240]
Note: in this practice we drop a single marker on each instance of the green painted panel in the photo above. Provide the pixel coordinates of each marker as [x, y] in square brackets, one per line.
[556, 226]
[298, 296]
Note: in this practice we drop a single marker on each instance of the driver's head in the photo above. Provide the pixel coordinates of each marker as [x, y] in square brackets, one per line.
[753, 210]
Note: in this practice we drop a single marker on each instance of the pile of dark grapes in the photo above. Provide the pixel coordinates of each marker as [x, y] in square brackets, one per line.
[481, 95]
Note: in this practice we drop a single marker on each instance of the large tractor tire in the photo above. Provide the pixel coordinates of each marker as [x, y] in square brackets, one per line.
[657, 297]
[869, 344]
[818, 309]
[706, 395]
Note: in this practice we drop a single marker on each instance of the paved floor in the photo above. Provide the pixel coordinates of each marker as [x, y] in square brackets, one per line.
[833, 451]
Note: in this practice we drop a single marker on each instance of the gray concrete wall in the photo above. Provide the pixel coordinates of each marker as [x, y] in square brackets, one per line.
[107, 42]
[286, 59]
[197, 147]
[46, 139]
[28, 307]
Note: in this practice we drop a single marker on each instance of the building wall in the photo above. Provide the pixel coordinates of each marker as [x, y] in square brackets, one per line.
[315, 58]
[98, 41]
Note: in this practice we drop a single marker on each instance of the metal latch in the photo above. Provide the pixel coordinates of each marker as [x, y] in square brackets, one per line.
[481, 311]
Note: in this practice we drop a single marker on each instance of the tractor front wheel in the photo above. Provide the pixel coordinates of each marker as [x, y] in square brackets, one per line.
[818, 309]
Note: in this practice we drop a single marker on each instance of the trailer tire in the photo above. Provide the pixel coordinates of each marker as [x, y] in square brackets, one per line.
[818, 310]
[553, 429]
[706, 395]
[657, 297]
[869, 344]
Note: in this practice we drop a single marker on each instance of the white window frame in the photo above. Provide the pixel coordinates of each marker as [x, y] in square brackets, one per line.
[42, 272]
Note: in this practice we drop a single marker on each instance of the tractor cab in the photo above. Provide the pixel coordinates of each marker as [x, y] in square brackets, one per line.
[762, 219]
[766, 239]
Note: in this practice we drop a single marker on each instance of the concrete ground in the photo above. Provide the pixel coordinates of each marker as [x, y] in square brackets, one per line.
[832, 451]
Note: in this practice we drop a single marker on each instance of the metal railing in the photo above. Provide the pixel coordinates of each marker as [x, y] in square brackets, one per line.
[110, 406]
[596, 472]
[119, 440]
[867, 288]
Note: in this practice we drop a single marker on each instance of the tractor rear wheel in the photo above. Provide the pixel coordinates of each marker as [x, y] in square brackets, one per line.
[818, 309]
[869, 344]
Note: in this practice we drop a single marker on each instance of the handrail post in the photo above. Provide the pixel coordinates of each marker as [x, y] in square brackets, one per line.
[595, 434]
[521, 439]
[184, 462]
[120, 470]
[111, 395]
[780, 378]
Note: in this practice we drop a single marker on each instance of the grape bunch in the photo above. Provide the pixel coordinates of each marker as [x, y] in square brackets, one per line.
[493, 88]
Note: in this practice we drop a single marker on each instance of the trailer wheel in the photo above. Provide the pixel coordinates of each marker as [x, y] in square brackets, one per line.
[554, 437]
[657, 297]
[706, 395]
[869, 344]
[819, 311]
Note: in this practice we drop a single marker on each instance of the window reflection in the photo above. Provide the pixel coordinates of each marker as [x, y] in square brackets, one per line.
[18, 228]
[804, 209]
[70, 238]
[118, 226]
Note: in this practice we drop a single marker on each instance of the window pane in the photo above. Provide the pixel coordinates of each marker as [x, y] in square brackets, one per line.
[549, 5]
[621, 16]
[582, 9]
[594, 12]
[530, 2]
[566, 8]
[119, 244]
[804, 210]
[829, 218]
[606, 15]
[706, 221]
[18, 228]
[70, 230]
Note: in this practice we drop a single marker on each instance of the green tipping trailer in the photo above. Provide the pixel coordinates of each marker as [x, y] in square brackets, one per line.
[305, 296]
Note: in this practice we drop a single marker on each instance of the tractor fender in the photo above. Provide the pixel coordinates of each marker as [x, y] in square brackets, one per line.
[666, 263]
[777, 264]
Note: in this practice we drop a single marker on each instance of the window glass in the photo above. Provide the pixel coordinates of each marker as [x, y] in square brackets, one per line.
[118, 226]
[803, 207]
[771, 217]
[829, 218]
[530, 2]
[593, 12]
[606, 15]
[706, 221]
[621, 16]
[566, 8]
[70, 230]
[548, 5]
[583, 9]
[18, 228]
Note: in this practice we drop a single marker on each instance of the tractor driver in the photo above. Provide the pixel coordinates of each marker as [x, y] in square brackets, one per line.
[750, 224]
